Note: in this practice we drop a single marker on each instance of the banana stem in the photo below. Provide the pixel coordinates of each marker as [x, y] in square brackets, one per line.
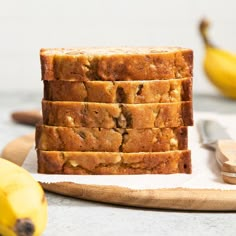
[203, 28]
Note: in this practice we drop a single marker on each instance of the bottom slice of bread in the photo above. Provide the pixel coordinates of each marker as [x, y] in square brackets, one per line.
[114, 163]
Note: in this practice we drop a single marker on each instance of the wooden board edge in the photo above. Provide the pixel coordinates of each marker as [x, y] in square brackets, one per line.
[17, 150]
[172, 199]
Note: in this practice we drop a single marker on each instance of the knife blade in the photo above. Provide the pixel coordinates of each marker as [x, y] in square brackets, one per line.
[214, 136]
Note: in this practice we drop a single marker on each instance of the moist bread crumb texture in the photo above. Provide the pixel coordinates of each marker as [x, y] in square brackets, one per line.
[52, 138]
[115, 111]
[60, 162]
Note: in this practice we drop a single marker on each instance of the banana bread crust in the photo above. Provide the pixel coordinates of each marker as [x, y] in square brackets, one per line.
[103, 115]
[114, 163]
[83, 64]
[52, 138]
[135, 92]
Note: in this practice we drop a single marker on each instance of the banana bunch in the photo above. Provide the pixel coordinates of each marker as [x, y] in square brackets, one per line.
[23, 206]
[219, 65]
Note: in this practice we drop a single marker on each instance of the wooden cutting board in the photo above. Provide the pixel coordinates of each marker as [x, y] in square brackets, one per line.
[176, 198]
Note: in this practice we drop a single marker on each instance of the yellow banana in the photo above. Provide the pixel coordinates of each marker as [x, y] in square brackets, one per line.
[219, 65]
[23, 206]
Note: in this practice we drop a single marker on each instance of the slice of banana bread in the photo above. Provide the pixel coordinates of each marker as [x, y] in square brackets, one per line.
[52, 138]
[134, 63]
[111, 163]
[104, 115]
[159, 91]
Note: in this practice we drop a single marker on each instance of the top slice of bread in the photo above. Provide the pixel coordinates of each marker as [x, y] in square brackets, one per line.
[116, 64]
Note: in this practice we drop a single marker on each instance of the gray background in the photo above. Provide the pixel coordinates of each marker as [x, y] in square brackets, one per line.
[27, 25]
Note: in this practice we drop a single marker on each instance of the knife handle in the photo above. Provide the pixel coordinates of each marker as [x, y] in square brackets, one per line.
[226, 156]
[27, 117]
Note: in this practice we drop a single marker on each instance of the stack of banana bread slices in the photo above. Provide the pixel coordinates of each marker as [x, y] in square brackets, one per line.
[115, 111]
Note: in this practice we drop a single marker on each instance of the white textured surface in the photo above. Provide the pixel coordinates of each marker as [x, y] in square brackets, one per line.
[73, 217]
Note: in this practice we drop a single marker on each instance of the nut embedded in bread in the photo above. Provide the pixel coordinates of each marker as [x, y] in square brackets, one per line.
[115, 110]
[131, 92]
[111, 163]
[104, 115]
[125, 63]
[52, 138]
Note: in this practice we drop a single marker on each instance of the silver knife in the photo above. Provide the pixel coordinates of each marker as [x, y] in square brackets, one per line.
[214, 136]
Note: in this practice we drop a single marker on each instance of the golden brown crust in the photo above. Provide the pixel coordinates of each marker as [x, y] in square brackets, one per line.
[103, 115]
[131, 92]
[102, 163]
[52, 138]
[83, 64]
